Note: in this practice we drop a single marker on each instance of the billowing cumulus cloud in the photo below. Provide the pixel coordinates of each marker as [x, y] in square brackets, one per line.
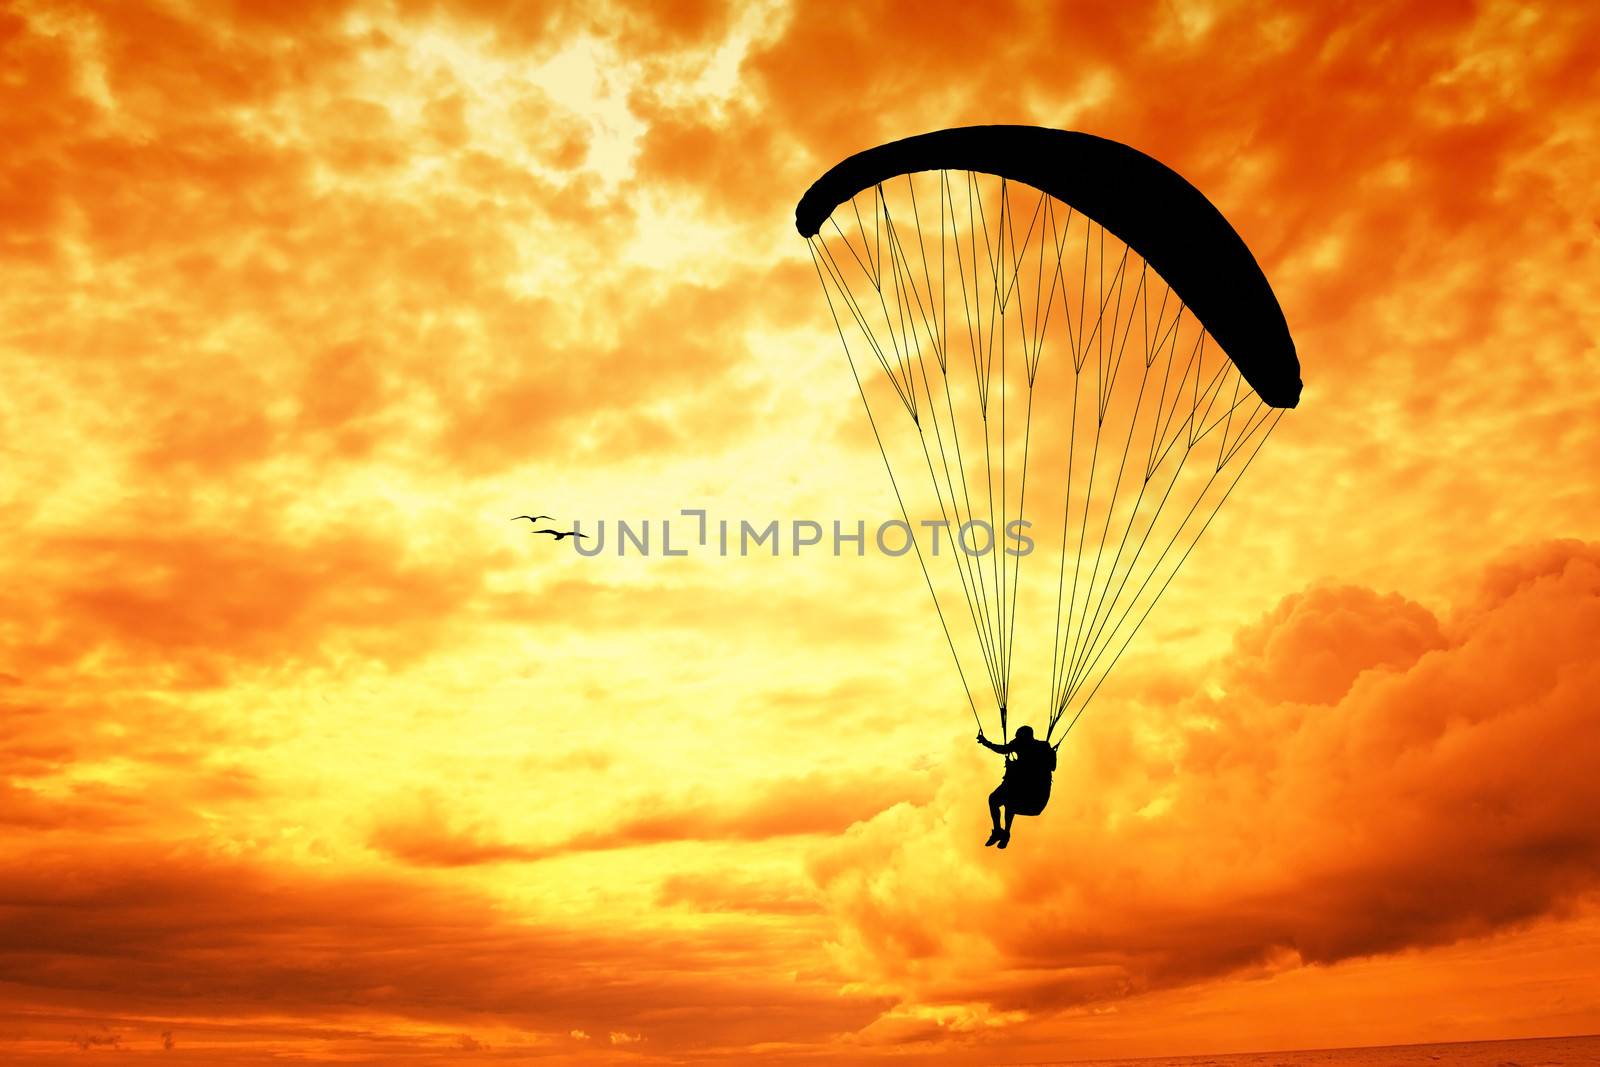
[1367, 780]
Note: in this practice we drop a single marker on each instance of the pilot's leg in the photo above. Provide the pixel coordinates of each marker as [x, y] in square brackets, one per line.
[995, 800]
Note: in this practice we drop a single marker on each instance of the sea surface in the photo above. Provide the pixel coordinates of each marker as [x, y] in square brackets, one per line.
[1530, 1052]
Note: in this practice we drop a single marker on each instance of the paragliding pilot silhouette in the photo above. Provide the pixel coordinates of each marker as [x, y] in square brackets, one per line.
[1025, 789]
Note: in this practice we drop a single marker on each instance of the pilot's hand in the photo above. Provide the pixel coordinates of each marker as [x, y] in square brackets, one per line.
[980, 737]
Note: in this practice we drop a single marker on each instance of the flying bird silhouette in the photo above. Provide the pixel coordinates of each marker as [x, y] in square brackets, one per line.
[559, 534]
[531, 518]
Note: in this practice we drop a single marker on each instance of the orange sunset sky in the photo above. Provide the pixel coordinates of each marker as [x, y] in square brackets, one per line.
[307, 753]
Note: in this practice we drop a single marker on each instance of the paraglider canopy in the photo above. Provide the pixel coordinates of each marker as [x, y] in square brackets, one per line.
[1157, 213]
[985, 268]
